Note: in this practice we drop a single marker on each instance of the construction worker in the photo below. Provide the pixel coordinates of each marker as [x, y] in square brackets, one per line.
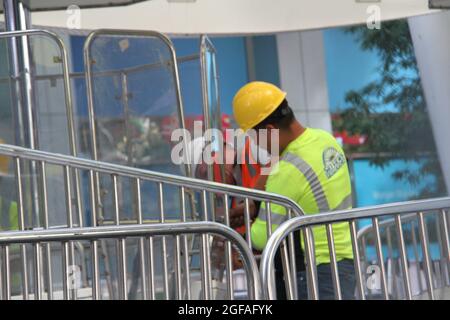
[249, 160]
[244, 171]
[312, 170]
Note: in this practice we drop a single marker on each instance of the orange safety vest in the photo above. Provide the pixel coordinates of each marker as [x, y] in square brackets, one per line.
[250, 169]
[250, 172]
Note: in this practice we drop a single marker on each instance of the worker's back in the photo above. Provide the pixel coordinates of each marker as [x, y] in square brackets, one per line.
[313, 172]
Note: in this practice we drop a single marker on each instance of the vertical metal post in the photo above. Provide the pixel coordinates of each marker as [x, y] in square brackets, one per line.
[357, 261]
[333, 263]
[446, 243]
[96, 290]
[313, 291]
[228, 248]
[12, 24]
[205, 255]
[426, 255]
[185, 245]
[37, 273]
[164, 242]
[403, 257]
[292, 255]
[96, 294]
[6, 274]
[21, 217]
[416, 256]
[141, 241]
[151, 266]
[379, 250]
[48, 251]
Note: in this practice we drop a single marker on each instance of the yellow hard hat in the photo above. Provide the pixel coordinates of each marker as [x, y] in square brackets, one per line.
[254, 102]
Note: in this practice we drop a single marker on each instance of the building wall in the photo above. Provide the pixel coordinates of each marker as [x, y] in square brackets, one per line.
[432, 46]
[303, 76]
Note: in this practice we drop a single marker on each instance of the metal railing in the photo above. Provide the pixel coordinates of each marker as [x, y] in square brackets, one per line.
[403, 215]
[63, 237]
[89, 75]
[181, 186]
[67, 96]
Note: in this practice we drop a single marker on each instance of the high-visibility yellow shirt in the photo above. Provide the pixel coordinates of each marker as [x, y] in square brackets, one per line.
[313, 172]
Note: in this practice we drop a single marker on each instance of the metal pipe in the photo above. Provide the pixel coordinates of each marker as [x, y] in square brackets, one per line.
[151, 265]
[228, 250]
[445, 240]
[116, 199]
[123, 269]
[185, 245]
[292, 255]
[313, 291]
[37, 272]
[391, 262]
[403, 257]
[247, 223]
[108, 73]
[6, 274]
[287, 272]
[164, 243]
[123, 171]
[205, 97]
[333, 263]
[379, 250]
[96, 292]
[178, 286]
[69, 205]
[426, 255]
[65, 262]
[357, 261]
[141, 241]
[416, 256]
[21, 224]
[204, 253]
[48, 252]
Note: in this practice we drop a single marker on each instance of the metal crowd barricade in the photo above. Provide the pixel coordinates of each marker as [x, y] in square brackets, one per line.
[198, 189]
[401, 225]
[67, 96]
[65, 236]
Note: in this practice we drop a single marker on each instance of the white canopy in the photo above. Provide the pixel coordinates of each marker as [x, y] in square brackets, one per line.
[234, 16]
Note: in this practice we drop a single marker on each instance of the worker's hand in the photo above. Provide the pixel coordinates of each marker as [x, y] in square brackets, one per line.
[237, 222]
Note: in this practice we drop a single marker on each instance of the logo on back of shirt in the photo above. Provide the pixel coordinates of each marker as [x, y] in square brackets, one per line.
[333, 160]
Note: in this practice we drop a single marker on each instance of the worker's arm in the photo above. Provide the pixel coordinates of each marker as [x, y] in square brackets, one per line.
[285, 181]
[237, 213]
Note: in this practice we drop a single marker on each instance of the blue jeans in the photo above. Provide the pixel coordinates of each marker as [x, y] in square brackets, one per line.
[347, 280]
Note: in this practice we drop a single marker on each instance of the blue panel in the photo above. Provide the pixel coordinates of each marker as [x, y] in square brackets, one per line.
[232, 67]
[375, 185]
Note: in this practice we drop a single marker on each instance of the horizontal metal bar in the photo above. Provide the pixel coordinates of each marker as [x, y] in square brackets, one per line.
[110, 168]
[385, 223]
[115, 72]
